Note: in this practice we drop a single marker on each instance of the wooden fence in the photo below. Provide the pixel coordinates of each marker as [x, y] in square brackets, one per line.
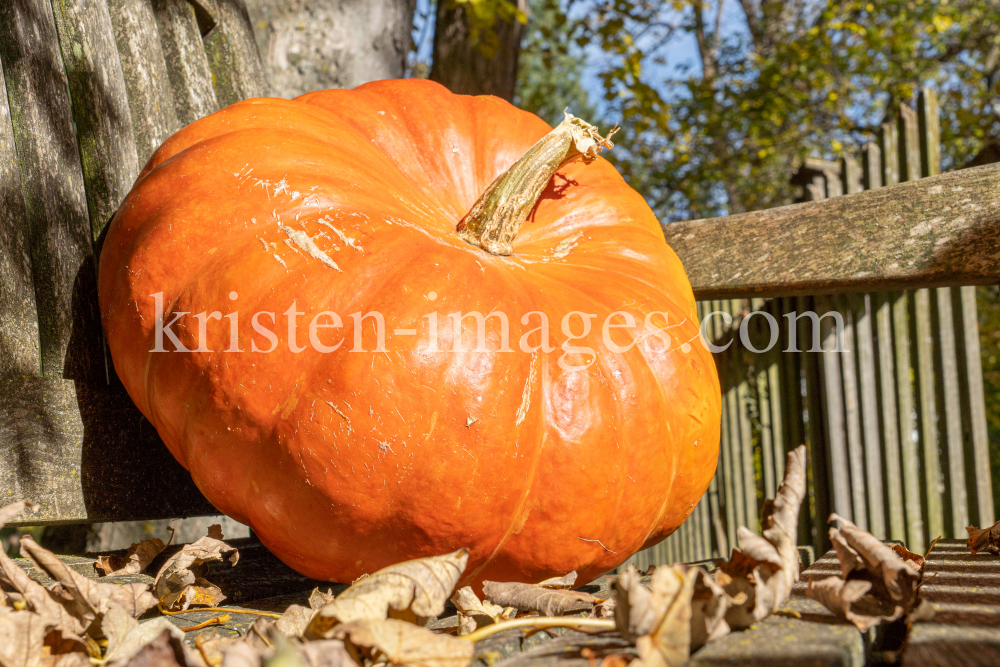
[895, 427]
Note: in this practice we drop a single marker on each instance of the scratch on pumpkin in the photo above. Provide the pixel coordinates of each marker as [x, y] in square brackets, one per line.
[305, 242]
[293, 399]
[522, 410]
[346, 418]
[566, 245]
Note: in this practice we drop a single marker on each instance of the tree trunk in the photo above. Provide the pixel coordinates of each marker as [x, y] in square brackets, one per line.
[312, 45]
[462, 68]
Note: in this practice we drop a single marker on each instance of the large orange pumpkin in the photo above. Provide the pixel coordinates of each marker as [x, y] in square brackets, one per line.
[344, 462]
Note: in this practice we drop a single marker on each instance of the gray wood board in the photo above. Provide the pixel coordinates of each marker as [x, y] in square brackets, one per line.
[937, 231]
[83, 452]
[187, 63]
[18, 318]
[61, 250]
[100, 105]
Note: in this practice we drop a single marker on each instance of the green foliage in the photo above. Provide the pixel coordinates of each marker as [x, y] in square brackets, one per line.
[551, 66]
[722, 134]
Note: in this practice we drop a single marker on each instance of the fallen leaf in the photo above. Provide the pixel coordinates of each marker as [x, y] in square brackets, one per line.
[402, 643]
[413, 590]
[22, 635]
[530, 597]
[984, 539]
[319, 599]
[180, 583]
[326, 653]
[472, 613]
[69, 660]
[295, 620]
[605, 609]
[86, 599]
[215, 532]
[885, 567]
[709, 605]
[238, 655]
[657, 620]
[257, 644]
[565, 581]
[126, 636]
[135, 560]
[766, 566]
[163, 650]
[852, 601]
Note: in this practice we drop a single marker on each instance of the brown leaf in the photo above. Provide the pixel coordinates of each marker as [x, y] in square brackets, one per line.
[897, 576]
[659, 621]
[180, 583]
[135, 560]
[566, 581]
[853, 601]
[68, 660]
[295, 620]
[765, 568]
[215, 532]
[319, 599]
[22, 634]
[709, 605]
[244, 651]
[326, 653]
[163, 650]
[238, 654]
[605, 609]
[472, 613]
[984, 539]
[127, 637]
[401, 643]
[86, 599]
[916, 559]
[529, 597]
[414, 590]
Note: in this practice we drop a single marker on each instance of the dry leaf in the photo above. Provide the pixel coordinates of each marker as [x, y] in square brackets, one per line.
[659, 621]
[566, 581]
[853, 601]
[319, 599]
[257, 643]
[237, 655]
[295, 620]
[22, 634]
[709, 605]
[180, 583]
[984, 539]
[164, 650]
[898, 576]
[126, 636]
[472, 613]
[401, 643]
[413, 590]
[71, 660]
[135, 560]
[326, 653]
[529, 597]
[215, 532]
[86, 599]
[605, 609]
[765, 568]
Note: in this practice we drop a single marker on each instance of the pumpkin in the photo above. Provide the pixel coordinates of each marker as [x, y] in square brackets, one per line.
[543, 459]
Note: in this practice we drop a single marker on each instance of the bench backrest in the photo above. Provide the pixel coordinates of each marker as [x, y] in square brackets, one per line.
[88, 90]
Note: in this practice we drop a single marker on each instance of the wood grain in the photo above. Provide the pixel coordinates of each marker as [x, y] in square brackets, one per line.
[934, 232]
[237, 71]
[187, 63]
[52, 182]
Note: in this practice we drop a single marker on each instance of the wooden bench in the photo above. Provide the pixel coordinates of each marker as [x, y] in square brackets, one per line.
[89, 89]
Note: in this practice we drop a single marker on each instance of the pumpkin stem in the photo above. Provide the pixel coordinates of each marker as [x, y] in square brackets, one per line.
[496, 218]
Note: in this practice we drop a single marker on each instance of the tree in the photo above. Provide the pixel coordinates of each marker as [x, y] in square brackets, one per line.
[476, 46]
[721, 134]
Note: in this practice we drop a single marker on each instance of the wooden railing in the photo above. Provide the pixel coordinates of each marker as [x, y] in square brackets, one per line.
[896, 427]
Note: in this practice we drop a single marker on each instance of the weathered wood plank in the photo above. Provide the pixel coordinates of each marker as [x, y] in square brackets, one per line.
[907, 424]
[861, 305]
[852, 410]
[186, 60]
[977, 408]
[18, 318]
[890, 433]
[933, 232]
[150, 96]
[100, 106]
[83, 453]
[237, 70]
[62, 260]
[949, 388]
[836, 428]
[923, 335]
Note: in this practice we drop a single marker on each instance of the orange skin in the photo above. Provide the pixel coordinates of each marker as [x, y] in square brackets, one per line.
[606, 461]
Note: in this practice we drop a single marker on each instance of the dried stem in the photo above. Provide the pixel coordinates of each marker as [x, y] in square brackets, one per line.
[540, 622]
[496, 218]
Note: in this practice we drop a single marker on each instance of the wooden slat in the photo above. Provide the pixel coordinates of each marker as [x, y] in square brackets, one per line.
[18, 318]
[815, 433]
[949, 382]
[910, 457]
[718, 530]
[888, 142]
[84, 453]
[852, 411]
[850, 175]
[150, 97]
[834, 417]
[237, 71]
[890, 421]
[977, 409]
[911, 235]
[186, 61]
[62, 259]
[909, 144]
[930, 132]
[100, 106]
[767, 448]
[923, 336]
[871, 165]
[863, 315]
[745, 444]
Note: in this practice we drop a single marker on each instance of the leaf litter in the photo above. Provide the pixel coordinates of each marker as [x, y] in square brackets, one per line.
[379, 620]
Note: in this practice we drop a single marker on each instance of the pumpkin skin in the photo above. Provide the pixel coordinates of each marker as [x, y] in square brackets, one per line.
[605, 461]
